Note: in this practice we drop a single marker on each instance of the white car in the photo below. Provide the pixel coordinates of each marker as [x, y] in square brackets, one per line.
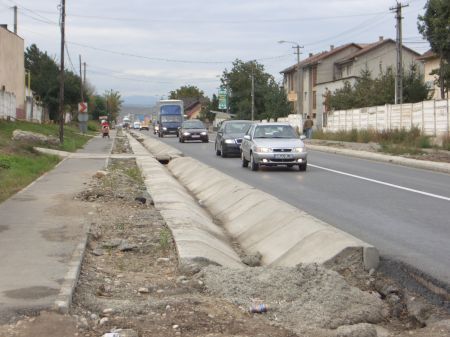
[273, 144]
[137, 125]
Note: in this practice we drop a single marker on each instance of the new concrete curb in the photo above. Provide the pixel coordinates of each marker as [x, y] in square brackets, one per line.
[261, 223]
[198, 239]
[160, 150]
[420, 164]
[284, 235]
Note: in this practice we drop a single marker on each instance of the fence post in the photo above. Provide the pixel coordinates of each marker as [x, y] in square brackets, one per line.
[448, 118]
[434, 117]
[412, 114]
[423, 118]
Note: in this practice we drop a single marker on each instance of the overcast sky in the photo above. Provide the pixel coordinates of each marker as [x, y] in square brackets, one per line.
[148, 47]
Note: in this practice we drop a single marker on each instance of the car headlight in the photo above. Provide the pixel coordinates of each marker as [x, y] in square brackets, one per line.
[203, 133]
[229, 141]
[261, 149]
[164, 128]
[186, 134]
[298, 149]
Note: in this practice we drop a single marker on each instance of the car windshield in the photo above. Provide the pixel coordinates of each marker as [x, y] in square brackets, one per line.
[170, 118]
[193, 125]
[236, 127]
[275, 131]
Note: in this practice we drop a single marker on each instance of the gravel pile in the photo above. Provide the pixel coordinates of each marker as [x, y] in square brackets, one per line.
[302, 297]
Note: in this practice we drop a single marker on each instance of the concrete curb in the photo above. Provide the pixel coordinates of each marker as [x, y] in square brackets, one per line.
[283, 234]
[65, 296]
[198, 239]
[420, 164]
[160, 150]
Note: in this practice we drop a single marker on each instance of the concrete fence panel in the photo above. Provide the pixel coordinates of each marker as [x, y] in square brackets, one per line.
[431, 117]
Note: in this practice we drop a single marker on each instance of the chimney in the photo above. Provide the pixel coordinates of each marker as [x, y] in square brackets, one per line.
[380, 38]
[331, 47]
[310, 54]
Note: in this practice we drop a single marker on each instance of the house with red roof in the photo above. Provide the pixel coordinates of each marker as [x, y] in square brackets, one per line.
[329, 70]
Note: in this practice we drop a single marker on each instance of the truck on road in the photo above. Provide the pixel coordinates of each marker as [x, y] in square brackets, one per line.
[170, 114]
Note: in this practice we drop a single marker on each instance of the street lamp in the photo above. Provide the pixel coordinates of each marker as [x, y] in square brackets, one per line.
[297, 47]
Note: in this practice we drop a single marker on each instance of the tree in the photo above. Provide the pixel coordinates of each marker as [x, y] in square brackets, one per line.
[97, 106]
[45, 81]
[434, 26]
[113, 102]
[268, 100]
[379, 91]
[187, 92]
[414, 88]
[44, 78]
[212, 105]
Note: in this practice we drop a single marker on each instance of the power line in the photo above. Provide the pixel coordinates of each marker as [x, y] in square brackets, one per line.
[161, 59]
[70, 59]
[214, 21]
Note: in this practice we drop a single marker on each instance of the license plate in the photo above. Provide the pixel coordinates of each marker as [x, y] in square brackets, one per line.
[195, 136]
[283, 156]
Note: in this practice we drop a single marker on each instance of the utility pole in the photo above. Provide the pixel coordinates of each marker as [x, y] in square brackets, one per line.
[253, 95]
[84, 77]
[399, 45]
[61, 73]
[81, 82]
[15, 19]
[297, 47]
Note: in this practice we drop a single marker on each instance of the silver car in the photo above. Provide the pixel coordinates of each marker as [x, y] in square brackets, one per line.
[273, 144]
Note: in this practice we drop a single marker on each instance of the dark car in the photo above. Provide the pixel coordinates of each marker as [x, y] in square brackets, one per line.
[193, 130]
[229, 137]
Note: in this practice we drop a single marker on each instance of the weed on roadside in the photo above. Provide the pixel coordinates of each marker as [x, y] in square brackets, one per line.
[165, 238]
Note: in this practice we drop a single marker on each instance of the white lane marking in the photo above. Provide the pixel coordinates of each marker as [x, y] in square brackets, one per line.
[383, 183]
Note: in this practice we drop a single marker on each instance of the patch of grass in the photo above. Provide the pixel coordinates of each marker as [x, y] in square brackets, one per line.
[399, 141]
[135, 174]
[20, 164]
[446, 143]
[18, 171]
[165, 238]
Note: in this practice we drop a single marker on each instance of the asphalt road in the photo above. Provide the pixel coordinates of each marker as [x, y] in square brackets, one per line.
[404, 212]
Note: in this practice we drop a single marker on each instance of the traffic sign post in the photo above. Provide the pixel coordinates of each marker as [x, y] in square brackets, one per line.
[83, 116]
[82, 108]
[222, 99]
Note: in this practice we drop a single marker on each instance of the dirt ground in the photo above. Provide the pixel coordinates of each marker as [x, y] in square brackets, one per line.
[129, 285]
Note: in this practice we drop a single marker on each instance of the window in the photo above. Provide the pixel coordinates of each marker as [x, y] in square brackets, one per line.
[349, 69]
[314, 100]
[314, 76]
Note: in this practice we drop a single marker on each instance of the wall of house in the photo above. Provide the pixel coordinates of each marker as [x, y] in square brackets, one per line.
[384, 56]
[321, 90]
[12, 68]
[325, 69]
[306, 90]
[431, 64]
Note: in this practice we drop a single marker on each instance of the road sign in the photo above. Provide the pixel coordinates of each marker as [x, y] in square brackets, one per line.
[222, 99]
[82, 107]
[292, 96]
